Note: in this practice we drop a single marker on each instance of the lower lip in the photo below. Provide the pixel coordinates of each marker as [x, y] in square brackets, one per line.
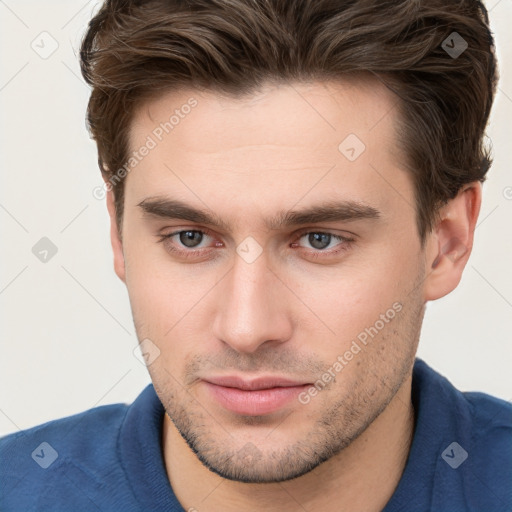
[254, 403]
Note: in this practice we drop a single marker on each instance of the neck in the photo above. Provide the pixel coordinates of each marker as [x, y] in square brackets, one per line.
[362, 477]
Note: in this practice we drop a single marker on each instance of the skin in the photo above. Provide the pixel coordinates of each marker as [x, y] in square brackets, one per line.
[286, 313]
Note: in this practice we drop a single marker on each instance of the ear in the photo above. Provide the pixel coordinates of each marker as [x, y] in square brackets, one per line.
[450, 242]
[115, 238]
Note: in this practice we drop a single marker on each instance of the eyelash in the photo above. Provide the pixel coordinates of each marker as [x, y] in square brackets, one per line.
[344, 245]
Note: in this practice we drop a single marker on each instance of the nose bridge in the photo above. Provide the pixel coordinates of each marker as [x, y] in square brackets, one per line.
[251, 309]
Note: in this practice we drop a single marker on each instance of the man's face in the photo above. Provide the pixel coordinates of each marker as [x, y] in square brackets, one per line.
[254, 297]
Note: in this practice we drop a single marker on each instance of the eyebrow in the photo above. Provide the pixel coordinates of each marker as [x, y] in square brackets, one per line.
[332, 211]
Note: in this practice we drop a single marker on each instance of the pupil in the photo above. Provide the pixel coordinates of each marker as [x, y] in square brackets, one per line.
[190, 238]
[319, 240]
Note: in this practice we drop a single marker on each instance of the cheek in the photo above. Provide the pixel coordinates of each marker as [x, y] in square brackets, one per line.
[155, 293]
[162, 302]
[352, 297]
[168, 300]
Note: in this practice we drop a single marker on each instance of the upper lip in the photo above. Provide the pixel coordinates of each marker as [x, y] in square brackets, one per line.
[253, 384]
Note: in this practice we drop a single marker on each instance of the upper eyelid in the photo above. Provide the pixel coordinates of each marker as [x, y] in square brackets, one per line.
[297, 232]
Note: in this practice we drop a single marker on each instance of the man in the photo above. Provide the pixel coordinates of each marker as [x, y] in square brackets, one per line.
[288, 183]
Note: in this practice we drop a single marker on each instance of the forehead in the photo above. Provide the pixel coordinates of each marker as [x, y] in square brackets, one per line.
[286, 144]
[321, 113]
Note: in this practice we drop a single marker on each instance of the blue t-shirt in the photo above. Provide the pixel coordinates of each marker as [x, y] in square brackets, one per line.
[109, 458]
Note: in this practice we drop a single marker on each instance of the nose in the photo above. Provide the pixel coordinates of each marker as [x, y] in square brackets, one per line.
[253, 307]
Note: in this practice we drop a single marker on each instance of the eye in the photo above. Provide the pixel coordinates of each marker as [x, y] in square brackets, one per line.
[190, 239]
[188, 243]
[323, 244]
[319, 241]
[197, 243]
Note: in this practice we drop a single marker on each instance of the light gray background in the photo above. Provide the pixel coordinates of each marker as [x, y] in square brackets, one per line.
[67, 334]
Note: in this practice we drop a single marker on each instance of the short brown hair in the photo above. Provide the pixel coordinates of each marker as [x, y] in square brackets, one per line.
[135, 49]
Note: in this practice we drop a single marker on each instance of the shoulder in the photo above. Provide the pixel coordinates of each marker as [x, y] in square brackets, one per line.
[469, 438]
[491, 435]
[51, 462]
[489, 411]
[487, 472]
[78, 431]
[482, 420]
[477, 411]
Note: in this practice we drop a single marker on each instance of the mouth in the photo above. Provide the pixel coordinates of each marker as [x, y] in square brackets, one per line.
[254, 397]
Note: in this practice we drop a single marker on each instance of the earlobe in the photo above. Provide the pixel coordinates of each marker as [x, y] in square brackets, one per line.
[450, 242]
[115, 239]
